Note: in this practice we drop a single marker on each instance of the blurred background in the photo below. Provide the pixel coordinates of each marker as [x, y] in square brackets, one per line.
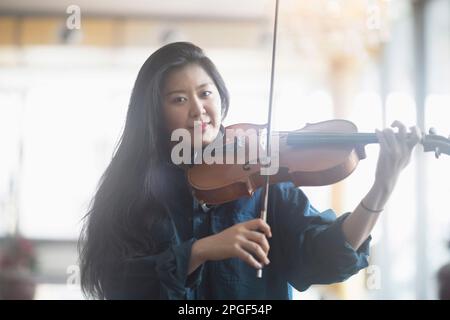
[66, 73]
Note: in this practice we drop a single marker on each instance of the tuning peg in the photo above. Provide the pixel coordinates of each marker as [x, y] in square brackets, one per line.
[432, 131]
[437, 152]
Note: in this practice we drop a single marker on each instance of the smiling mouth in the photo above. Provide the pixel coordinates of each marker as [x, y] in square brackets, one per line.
[202, 125]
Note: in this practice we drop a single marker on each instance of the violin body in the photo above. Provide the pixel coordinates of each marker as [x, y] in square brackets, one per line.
[306, 162]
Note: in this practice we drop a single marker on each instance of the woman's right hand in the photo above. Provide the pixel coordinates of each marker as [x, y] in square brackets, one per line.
[246, 241]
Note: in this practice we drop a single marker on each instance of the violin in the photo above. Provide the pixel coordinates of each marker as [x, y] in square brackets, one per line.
[319, 154]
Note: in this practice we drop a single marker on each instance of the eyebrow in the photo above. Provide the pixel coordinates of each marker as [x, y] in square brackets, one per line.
[178, 91]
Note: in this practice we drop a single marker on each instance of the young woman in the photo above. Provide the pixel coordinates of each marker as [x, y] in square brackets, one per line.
[146, 236]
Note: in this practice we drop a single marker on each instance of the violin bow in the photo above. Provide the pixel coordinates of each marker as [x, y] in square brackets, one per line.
[265, 197]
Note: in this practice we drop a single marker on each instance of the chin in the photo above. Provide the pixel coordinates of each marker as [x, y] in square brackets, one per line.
[210, 136]
[207, 141]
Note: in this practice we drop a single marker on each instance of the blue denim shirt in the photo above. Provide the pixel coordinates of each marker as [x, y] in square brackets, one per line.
[307, 247]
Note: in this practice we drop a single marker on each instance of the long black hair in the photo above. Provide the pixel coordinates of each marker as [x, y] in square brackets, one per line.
[127, 202]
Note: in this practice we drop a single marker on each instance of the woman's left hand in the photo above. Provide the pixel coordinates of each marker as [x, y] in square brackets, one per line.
[395, 153]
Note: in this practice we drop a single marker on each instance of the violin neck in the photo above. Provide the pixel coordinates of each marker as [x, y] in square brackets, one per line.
[297, 138]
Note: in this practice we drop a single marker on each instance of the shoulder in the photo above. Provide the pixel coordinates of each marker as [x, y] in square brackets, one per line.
[288, 192]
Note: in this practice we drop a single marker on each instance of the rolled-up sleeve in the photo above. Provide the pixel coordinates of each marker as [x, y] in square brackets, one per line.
[313, 245]
[161, 276]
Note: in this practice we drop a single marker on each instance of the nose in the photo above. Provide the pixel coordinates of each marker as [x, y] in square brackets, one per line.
[196, 108]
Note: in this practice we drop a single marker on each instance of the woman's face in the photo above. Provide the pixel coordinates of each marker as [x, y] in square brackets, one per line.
[190, 98]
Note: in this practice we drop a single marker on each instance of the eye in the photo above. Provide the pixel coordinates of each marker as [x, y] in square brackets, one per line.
[179, 99]
[206, 93]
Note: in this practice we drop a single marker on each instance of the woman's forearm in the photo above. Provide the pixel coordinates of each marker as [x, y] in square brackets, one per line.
[358, 225]
[197, 255]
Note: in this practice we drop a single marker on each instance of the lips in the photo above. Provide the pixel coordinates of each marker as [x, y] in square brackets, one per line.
[201, 124]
